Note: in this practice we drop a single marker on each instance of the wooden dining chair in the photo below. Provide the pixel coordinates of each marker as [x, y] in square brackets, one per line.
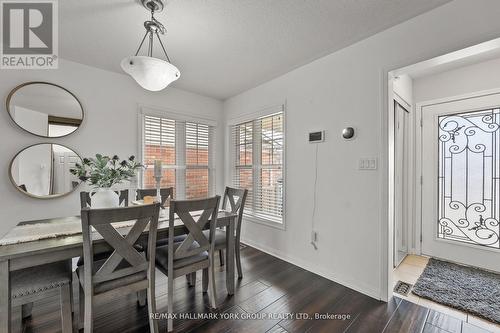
[86, 201]
[39, 282]
[165, 194]
[126, 270]
[86, 198]
[236, 198]
[195, 252]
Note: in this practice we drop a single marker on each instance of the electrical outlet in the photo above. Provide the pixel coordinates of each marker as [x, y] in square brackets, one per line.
[367, 164]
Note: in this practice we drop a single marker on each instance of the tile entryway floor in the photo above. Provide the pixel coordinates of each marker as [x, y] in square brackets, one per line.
[409, 271]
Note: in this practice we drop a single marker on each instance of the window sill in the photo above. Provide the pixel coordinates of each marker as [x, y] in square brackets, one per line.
[265, 221]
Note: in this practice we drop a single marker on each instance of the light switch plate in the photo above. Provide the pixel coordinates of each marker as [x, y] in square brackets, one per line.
[367, 164]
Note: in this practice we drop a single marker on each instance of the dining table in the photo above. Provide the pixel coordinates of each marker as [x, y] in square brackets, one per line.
[40, 242]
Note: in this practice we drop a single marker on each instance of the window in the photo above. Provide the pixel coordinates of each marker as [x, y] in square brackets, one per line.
[258, 165]
[468, 159]
[186, 151]
[198, 137]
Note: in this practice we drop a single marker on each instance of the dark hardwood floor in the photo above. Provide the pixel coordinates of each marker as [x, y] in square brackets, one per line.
[271, 288]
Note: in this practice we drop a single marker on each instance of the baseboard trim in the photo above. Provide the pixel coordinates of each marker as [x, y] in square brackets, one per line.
[349, 283]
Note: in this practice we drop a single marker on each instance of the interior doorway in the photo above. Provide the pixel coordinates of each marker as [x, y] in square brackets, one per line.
[444, 180]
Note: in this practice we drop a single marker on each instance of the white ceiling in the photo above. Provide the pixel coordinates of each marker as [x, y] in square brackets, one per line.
[224, 47]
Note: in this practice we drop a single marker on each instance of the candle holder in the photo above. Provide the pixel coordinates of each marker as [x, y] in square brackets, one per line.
[158, 175]
[158, 186]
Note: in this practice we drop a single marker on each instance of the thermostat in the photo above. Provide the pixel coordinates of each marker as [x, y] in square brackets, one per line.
[315, 137]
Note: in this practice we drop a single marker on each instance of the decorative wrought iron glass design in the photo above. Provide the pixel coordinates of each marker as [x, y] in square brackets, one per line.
[468, 180]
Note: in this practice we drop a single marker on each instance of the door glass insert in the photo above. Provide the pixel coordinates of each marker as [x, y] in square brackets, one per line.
[468, 179]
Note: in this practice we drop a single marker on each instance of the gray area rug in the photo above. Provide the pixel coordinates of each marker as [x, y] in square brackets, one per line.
[464, 288]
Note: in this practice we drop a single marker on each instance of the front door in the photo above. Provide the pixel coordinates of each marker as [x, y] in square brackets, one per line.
[461, 180]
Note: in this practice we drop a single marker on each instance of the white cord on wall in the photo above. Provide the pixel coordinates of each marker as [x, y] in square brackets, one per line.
[313, 238]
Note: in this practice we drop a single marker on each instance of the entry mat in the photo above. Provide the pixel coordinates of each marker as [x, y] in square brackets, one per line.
[465, 288]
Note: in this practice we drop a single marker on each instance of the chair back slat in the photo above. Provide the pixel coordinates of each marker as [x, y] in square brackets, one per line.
[125, 258]
[165, 193]
[86, 198]
[184, 210]
[236, 198]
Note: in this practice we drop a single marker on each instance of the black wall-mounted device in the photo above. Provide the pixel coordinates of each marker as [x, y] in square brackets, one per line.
[315, 137]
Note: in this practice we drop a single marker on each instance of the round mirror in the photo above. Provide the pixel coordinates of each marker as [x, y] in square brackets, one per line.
[45, 109]
[42, 170]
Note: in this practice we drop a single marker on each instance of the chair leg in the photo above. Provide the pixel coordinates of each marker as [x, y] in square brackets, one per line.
[192, 280]
[238, 259]
[16, 320]
[75, 286]
[66, 314]
[81, 300]
[88, 324]
[213, 292]
[170, 307]
[205, 279]
[26, 310]
[153, 323]
[142, 298]
[221, 257]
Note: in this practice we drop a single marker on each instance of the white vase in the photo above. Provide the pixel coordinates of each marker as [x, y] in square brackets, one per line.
[104, 198]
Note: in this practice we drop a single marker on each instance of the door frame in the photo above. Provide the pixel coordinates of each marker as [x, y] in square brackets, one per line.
[409, 176]
[419, 152]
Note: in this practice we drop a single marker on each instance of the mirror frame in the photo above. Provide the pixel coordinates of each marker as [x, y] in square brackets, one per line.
[13, 91]
[45, 197]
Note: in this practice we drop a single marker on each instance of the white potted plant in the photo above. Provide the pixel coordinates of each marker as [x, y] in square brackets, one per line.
[102, 173]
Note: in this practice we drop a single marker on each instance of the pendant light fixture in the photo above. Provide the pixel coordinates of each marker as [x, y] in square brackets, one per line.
[151, 73]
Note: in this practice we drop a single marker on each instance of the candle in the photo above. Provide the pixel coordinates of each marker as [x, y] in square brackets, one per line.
[158, 169]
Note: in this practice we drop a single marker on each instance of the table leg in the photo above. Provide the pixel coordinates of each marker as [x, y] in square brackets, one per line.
[5, 310]
[230, 257]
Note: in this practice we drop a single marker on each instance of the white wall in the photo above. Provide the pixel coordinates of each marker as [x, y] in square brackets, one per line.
[349, 87]
[110, 101]
[463, 80]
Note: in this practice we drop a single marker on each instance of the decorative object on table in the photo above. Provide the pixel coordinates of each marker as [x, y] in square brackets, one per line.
[86, 198]
[166, 193]
[149, 72]
[58, 112]
[148, 200]
[104, 172]
[158, 175]
[41, 171]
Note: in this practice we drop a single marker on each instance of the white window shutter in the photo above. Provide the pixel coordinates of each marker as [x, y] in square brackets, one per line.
[187, 151]
[258, 160]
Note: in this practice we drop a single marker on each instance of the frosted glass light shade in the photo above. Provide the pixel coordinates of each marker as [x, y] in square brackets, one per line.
[150, 73]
